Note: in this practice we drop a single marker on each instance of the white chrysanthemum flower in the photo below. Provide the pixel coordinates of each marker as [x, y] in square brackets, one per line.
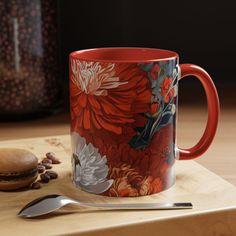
[94, 79]
[90, 168]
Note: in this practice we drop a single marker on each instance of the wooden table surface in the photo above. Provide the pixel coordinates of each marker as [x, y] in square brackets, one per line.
[213, 199]
[220, 158]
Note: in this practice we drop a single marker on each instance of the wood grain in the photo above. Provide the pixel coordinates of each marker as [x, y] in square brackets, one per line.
[213, 198]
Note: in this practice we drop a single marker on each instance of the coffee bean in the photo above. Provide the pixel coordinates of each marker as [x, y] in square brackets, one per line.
[52, 156]
[45, 178]
[56, 161]
[35, 185]
[46, 160]
[41, 168]
[47, 165]
[52, 174]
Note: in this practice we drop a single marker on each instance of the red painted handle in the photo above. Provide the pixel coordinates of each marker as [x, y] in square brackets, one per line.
[213, 111]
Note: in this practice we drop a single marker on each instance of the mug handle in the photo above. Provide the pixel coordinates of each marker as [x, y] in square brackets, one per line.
[213, 111]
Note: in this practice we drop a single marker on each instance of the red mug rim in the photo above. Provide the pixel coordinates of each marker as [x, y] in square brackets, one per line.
[124, 54]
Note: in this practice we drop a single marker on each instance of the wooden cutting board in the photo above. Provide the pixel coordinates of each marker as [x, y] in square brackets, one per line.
[213, 198]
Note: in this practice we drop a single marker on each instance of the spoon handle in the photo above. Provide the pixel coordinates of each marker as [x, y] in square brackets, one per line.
[141, 206]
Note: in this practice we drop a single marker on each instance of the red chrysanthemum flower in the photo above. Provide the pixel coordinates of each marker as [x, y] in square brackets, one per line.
[122, 152]
[153, 160]
[160, 151]
[107, 96]
[166, 90]
[138, 172]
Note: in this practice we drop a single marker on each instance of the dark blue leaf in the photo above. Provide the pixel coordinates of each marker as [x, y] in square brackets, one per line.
[147, 66]
[167, 118]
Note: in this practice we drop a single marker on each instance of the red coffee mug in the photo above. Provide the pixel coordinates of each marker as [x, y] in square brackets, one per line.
[123, 119]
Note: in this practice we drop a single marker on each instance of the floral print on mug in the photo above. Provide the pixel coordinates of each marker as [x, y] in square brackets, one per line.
[122, 124]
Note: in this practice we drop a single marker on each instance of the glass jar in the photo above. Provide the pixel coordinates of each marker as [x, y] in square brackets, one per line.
[29, 61]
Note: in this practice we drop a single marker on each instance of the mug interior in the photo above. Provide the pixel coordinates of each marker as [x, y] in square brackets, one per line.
[124, 54]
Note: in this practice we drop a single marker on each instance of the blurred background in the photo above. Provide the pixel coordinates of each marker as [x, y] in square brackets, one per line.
[202, 32]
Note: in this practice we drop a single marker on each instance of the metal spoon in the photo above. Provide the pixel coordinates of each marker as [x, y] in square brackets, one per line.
[50, 203]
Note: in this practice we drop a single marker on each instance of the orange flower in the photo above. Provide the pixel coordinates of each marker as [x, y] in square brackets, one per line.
[166, 90]
[125, 170]
[107, 96]
[121, 188]
[145, 186]
[150, 185]
[125, 181]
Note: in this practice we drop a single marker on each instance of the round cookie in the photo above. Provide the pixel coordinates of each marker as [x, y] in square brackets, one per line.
[18, 168]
